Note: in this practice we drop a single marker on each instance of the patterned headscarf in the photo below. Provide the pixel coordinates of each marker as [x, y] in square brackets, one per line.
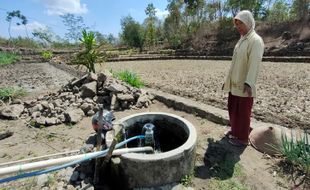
[247, 18]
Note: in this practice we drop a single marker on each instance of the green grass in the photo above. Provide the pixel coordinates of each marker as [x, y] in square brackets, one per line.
[129, 77]
[233, 183]
[8, 58]
[10, 92]
[47, 55]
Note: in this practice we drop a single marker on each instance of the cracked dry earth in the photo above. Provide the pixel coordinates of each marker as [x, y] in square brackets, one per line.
[283, 89]
[218, 164]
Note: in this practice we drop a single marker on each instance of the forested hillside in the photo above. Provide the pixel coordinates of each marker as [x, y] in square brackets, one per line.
[194, 27]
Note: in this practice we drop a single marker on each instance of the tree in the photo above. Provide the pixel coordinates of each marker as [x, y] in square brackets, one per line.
[111, 39]
[100, 38]
[132, 32]
[300, 10]
[195, 14]
[46, 35]
[22, 18]
[255, 6]
[172, 24]
[75, 26]
[150, 31]
[278, 12]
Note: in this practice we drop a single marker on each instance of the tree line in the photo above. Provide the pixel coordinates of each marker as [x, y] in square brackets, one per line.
[185, 20]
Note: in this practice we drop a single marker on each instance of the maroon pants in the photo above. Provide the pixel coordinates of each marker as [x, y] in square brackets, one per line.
[239, 109]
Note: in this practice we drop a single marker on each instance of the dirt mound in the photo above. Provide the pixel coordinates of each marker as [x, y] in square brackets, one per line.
[289, 39]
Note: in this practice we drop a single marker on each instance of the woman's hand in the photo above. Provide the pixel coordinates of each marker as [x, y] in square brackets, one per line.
[247, 89]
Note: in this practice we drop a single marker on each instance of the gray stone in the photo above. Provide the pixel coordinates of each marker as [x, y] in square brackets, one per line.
[12, 111]
[44, 104]
[51, 121]
[92, 77]
[143, 101]
[74, 177]
[61, 118]
[36, 114]
[75, 89]
[115, 87]
[101, 77]
[73, 115]
[57, 103]
[42, 180]
[90, 113]
[125, 97]
[86, 107]
[79, 82]
[70, 187]
[88, 100]
[16, 101]
[37, 107]
[89, 90]
[29, 103]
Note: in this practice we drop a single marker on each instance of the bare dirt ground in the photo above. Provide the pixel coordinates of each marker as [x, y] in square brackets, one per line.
[283, 89]
[218, 165]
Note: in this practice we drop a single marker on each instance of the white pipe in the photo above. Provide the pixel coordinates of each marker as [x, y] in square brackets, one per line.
[40, 157]
[47, 163]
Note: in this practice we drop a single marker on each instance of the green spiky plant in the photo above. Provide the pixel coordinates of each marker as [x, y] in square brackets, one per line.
[297, 151]
[90, 53]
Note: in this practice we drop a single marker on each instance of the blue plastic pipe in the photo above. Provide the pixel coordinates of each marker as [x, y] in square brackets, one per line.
[100, 153]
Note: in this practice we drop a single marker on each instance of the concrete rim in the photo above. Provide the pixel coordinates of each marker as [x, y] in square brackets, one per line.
[188, 145]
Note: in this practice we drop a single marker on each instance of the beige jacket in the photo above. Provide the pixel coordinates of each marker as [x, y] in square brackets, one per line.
[246, 59]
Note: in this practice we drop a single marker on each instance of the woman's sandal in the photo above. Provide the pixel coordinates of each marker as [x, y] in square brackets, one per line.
[236, 142]
[229, 135]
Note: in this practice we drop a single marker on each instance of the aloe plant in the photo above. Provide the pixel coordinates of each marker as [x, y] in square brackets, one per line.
[90, 53]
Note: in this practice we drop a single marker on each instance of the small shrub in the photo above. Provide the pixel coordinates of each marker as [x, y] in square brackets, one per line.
[129, 77]
[9, 92]
[186, 180]
[8, 58]
[47, 55]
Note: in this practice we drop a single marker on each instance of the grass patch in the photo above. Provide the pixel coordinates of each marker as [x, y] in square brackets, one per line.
[297, 151]
[8, 58]
[7, 93]
[47, 55]
[129, 77]
[236, 182]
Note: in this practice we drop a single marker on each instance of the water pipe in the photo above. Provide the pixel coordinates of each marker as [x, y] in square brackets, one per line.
[39, 157]
[96, 154]
[52, 162]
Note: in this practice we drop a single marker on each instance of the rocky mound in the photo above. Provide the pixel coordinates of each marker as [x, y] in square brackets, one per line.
[79, 98]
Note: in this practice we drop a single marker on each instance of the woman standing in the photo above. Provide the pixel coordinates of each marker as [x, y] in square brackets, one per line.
[242, 76]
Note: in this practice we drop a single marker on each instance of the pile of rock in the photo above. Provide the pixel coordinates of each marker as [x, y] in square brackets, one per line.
[79, 98]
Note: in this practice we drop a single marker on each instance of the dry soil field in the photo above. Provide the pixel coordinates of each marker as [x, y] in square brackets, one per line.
[283, 97]
[283, 92]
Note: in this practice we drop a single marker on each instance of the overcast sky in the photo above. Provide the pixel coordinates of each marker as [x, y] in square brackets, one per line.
[100, 15]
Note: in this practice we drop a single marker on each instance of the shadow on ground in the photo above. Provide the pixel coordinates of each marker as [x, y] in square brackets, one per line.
[219, 160]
